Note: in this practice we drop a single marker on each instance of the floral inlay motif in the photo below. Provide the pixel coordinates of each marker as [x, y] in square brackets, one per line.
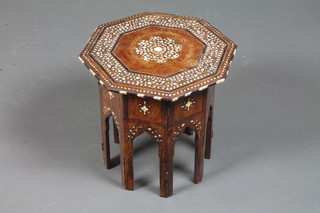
[196, 124]
[133, 131]
[158, 49]
[178, 132]
[155, 134]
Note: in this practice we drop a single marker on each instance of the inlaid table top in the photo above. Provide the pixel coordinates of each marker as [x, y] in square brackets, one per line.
[158, 55]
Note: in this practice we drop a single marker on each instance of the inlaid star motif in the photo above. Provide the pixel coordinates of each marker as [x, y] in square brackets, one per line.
[188, 104]
[144, 108]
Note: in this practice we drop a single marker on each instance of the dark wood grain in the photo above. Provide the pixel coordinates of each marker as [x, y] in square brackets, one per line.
[190, 54]
[164, 121]
[157, 74]
[203, 59]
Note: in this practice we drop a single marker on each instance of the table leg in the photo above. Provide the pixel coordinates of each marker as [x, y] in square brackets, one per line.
[199, 156]
[209, 135]
[166, 152]
[126, 159]
[105, 141]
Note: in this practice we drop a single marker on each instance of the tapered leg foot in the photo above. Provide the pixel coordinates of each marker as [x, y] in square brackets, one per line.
[166, 151]
[127, 180]
[199, 156]
[126, 159]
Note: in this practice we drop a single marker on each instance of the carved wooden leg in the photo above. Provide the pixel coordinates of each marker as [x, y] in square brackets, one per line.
[209, 135]
[166, 152]
[105, 141]
[199, 156]
[126, 159]
[115, 132]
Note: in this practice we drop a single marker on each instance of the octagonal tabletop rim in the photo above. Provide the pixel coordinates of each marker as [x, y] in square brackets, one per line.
[212, 68]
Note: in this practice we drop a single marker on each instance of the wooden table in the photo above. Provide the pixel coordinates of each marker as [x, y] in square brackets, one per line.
[157, 73]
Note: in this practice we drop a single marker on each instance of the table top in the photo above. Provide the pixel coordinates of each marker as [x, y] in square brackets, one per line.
[158, 55]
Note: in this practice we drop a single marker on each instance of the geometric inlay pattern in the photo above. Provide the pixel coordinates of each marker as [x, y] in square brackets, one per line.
[211, 68]
[208, 65]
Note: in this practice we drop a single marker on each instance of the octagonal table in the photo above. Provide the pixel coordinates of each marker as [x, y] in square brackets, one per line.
[157, 73]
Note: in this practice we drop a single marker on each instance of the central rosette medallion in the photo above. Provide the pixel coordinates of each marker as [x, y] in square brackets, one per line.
[158, 49]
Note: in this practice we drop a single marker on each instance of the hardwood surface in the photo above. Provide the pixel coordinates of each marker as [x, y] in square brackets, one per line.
[189, 54]
[157, 73]
[163, 56]
[165, 121]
